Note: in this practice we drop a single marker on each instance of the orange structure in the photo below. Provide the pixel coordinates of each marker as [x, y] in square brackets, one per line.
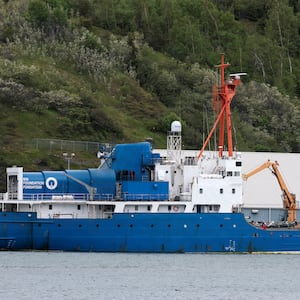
[289, 199]
[222, 97]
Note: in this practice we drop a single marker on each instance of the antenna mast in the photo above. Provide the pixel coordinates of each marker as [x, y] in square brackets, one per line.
[222, 97]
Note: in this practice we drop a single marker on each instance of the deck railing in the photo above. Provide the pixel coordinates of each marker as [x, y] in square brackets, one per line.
[84, 197]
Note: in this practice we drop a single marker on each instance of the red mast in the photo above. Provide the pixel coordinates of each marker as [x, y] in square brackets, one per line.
[222, 97]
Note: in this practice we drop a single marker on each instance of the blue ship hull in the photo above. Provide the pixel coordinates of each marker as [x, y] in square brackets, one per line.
[161, 233]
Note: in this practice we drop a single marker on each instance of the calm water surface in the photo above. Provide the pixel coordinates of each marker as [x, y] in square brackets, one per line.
[56, 275]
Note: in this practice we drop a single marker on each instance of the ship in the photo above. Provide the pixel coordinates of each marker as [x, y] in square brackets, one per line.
[141, 200]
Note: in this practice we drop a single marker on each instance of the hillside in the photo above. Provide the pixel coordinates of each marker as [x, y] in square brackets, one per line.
[121, 71]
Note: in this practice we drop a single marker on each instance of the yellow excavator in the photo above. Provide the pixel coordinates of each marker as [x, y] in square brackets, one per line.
[289, 199]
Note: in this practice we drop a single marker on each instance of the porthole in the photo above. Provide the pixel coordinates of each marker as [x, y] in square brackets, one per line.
[97, 225]
[118, 225]
[221, 225]
[79, 225]
[59, 225]
[152, 225]
[169, 225]
[198, 225]
[130, 225]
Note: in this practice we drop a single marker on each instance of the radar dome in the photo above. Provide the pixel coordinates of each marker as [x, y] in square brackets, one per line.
[176, 126]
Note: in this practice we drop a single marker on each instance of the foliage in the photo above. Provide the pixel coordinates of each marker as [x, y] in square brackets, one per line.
[123, 70]
[264, 108]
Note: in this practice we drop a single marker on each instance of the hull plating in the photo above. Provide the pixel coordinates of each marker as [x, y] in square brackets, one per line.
[144, 233]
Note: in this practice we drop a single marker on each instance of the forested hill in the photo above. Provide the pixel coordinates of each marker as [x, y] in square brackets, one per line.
[122, 70]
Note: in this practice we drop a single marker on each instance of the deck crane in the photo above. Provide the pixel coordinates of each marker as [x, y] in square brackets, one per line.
[289, 199]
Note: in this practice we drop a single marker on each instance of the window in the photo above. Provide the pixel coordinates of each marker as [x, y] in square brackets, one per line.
[78, 207]
[221, 191]
[229, 173]
[201, 190]
[238, 163]
[50, 206]
[233, 191]
[237, 173]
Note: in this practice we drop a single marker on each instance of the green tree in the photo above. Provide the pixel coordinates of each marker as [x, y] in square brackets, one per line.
[282, 28]
[38, 12]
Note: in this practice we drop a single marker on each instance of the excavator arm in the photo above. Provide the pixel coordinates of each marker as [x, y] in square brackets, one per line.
[289, 199]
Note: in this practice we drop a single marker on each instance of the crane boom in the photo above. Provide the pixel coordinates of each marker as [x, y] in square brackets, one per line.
[289, 199]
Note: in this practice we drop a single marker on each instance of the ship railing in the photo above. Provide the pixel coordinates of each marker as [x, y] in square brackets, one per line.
[8, 196]
[67, 197]
[190, 161]
[145, 197]
[58, 196]
[85, 197]
[104, 197]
